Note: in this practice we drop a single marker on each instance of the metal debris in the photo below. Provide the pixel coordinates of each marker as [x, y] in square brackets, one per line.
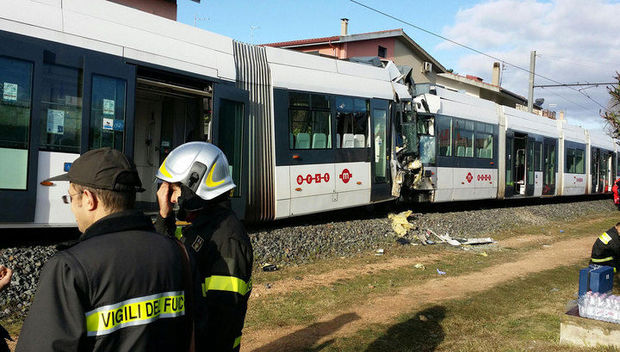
[270, 267]
[403, 241]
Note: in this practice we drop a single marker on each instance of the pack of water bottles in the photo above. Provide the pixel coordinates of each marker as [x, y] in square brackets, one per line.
[600, 306]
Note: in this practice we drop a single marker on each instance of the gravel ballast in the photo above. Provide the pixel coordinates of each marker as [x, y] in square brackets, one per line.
[336, 234]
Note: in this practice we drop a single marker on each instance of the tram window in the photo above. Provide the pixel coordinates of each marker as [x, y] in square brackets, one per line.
[231, 139]
[570, 160]
[15, 111]
[427, 149]
[380, 135]
[320, 101]
[107, 113]
[444, 131]
[299, 99]
[61, 108]
[464, 138]
[484, 145]
[484, 140]
[352, 122]
[538, 157]
[309, 122]
[579, 161]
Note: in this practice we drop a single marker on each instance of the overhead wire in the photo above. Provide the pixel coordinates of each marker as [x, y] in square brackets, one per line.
[570, 101]
[471, 48]
[580, 63]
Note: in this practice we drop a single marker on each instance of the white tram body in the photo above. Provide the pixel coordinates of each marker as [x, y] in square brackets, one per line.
[303, 134]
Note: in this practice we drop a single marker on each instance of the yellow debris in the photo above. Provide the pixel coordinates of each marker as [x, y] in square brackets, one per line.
[400, 224]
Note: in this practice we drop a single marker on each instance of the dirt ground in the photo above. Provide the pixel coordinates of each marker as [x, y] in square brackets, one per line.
[386, 308]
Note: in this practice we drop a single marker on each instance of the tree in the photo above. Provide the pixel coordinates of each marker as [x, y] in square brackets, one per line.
[612, 115]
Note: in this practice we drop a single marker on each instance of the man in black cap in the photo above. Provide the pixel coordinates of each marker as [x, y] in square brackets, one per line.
[121, 287]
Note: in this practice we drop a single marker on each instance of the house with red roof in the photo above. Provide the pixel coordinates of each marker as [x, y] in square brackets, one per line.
[395, 45]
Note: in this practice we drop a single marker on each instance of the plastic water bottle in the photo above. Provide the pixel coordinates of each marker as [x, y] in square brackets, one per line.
[615, 316]
[605, 307]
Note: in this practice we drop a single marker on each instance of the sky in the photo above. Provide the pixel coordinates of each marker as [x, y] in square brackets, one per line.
[576, 41]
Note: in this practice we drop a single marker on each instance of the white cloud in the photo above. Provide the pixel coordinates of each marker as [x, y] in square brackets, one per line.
[575, 41]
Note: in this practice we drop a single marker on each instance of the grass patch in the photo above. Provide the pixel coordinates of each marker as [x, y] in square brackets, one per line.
[518, 316]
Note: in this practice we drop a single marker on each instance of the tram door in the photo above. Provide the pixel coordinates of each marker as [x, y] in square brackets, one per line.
[18, 137]
[166, 117]
[230, 134]
[594, 165]
[549, 168]
[510, 186]
[380, 187]
[529, 167]
[602, 170]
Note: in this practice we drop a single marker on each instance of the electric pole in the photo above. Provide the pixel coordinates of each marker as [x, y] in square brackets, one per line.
[530, 96]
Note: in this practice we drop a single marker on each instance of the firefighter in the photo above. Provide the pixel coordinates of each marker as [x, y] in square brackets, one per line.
[120, 286]
[196, 177]
[606, 249]
[616, 189]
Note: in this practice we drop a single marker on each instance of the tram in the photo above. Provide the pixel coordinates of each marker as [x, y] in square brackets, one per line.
[302, 133]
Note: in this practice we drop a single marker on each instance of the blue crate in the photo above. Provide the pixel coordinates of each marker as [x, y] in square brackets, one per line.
[596, 278]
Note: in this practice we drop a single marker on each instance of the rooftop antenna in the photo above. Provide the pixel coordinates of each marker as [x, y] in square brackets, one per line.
[196, 19]
[252, 29]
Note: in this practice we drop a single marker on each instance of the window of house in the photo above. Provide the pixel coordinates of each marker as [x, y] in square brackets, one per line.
[463, 137]
[309, 121]
[352, 118]
[61, 108]
[382, 52]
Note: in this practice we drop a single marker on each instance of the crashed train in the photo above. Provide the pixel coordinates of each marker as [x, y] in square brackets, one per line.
[303, 133]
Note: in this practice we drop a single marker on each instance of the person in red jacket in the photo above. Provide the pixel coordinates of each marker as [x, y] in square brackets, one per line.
[615, 189]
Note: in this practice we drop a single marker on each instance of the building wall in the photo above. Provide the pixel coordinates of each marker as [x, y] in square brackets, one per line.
[462, 87]
[163, 8]
[403, 55]
[323, 49]
[369, 48]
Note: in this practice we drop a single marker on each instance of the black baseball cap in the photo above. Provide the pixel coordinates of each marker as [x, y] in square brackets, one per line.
[103, 168]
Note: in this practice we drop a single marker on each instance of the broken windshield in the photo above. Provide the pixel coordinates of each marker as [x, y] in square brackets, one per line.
[426, 134]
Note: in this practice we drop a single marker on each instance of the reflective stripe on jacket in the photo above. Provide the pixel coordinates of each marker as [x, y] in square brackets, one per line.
[223, 256]
[606, 249]
[119, 288]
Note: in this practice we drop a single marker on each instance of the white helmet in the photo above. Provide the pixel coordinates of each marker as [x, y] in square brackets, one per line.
[200, 166]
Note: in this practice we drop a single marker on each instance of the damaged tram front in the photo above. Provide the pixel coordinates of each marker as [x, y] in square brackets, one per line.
[415, 150]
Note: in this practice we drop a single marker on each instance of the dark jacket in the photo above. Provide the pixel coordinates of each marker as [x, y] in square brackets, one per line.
[223, 255]
[119, 288]
[606, 249]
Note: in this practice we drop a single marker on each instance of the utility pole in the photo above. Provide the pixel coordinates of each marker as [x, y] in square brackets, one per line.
[530, 96]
